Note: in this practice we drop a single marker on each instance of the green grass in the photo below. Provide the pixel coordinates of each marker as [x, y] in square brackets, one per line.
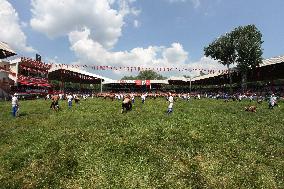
[203, 144]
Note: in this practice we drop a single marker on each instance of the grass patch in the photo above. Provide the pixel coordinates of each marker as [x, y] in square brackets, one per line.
[203, 144]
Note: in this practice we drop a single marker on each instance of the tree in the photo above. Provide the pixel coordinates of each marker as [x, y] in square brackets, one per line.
[128, 77]
[249, 51]
[149, 74]
[201, 73]
[223, 49]
[241, 46]
[145, 75]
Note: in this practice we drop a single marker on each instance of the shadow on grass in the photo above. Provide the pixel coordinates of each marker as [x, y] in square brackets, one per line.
[23, 114]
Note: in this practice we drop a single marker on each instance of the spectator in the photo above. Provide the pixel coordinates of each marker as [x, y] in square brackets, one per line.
[15, 105]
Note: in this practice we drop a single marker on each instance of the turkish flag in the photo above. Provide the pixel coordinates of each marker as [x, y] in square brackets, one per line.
[148, 82]
[138, 82]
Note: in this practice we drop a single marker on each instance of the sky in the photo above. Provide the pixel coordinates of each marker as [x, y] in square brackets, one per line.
[149, 33]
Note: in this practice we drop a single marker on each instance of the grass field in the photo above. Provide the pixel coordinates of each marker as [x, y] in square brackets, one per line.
[203, 144]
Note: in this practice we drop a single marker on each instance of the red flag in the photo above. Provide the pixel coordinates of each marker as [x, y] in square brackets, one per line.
[138, 82]
[148, 82]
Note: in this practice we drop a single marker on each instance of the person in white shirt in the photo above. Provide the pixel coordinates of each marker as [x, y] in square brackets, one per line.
[132, 98]
[85, 97]
[69, 99]
[143, 98]
[198, 97]
[272, 101]
[15, 105]
[240, 97]
[188, 96]
[171, 101]
[60, 96]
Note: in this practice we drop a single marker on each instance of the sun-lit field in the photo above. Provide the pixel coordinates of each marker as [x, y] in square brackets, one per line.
[203, 144]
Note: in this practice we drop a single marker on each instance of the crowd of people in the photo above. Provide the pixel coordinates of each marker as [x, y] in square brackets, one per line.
[128, 99]
[69, 97]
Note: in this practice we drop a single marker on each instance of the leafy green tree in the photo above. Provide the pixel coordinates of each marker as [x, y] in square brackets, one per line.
[186, 76]
[201, 73]
[128, 77]
[241, 46]
[149, 74]
[145, 75]
[223, 49]
[249, 51]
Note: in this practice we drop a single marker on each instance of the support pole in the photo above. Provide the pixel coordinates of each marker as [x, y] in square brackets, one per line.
[190, 85]
[17, 73]
[101, 85]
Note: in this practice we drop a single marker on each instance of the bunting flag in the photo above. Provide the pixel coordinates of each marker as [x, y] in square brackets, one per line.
[41, 67]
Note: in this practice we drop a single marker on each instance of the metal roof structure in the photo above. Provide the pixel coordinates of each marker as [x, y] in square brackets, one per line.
[272, 61]
[216, 77]
[206, 76]
[5, 50]
[106, 82]
[68, 74]
[173, 78]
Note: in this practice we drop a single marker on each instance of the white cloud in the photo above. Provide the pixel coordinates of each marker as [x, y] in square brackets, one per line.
[11, 31]
[175, 54]
[93, 28]
[206, 63]
[176, 1]
[91, 52]
[136, 24]
[196, 3]
[24, 24]
[203, 64]
[60, 17]
[125, 7]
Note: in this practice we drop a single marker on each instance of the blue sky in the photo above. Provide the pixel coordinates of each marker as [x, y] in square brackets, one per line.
[141, 32]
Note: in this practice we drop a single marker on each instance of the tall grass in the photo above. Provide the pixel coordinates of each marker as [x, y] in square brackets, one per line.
[203, 144]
